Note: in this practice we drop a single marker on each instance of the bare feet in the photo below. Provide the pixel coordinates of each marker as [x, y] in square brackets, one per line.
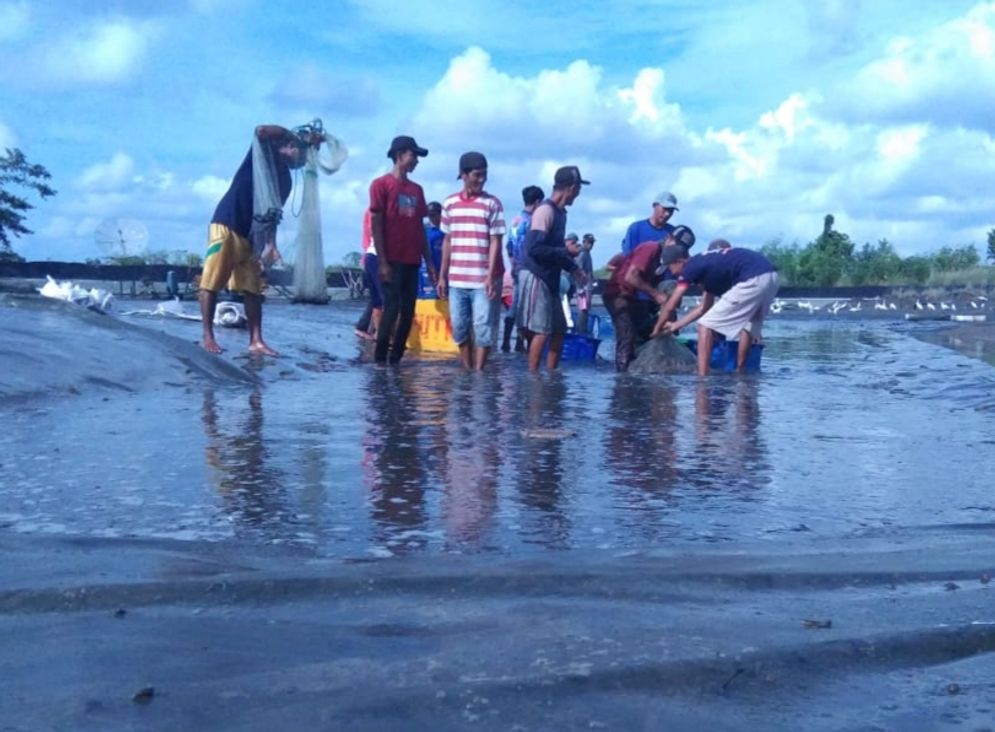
[259, 348]
[365, 335]
[211, 345]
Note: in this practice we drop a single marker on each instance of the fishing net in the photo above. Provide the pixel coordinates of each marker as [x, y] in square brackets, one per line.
[309, 258]
[663, 355]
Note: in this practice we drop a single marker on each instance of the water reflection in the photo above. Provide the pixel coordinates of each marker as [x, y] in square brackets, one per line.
[730, 452]
[394, 460]
[470, 458]
[251, 490]
[538, 459]
[640, 443]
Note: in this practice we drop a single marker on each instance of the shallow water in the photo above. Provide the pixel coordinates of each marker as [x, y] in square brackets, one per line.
[858, 449]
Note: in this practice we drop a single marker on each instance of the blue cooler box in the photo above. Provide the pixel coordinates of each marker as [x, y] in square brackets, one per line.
[724, 354]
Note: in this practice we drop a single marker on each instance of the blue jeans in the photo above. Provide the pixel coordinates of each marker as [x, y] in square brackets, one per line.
[471, 308]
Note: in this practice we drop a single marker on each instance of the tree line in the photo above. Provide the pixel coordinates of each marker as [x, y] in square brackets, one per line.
[832, 259]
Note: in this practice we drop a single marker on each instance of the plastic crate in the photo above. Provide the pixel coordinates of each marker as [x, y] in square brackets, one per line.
[724, 354]
[577, 347]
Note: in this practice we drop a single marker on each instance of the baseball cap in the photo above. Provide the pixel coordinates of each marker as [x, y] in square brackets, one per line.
[570, 236]
[404, 142]
[667, 200]
[718, 245]
[683, 236]
[471, 161]
[589, 237]
[569, 175]
[669, 255]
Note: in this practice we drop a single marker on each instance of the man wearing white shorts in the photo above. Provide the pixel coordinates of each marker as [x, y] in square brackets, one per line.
[745, 280]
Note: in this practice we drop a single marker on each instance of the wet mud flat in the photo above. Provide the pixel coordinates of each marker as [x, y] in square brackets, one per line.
[976, 340]
[306, 542]
[107, 635]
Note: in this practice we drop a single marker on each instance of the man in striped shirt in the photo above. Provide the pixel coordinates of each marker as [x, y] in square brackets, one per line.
[472, 268]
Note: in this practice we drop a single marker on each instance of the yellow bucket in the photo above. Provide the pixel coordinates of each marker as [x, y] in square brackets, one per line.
[431, 331]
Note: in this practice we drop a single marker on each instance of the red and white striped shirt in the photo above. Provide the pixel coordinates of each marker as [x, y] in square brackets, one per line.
[470, 224]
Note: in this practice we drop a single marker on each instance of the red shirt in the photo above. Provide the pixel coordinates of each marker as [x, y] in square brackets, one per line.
[645, 258]
[402, 205]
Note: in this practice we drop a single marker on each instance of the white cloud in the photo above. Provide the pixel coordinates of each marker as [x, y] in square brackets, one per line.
[107, 176]
[210, 187]
[7, 138]
[943, 76]
[15, 19]
[101, 53]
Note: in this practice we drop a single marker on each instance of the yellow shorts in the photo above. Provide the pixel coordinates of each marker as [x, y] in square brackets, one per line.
[229, 262]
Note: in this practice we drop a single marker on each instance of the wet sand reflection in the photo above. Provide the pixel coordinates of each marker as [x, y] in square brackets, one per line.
[252, 492]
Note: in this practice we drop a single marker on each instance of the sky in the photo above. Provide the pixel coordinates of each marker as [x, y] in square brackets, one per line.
[760, 117]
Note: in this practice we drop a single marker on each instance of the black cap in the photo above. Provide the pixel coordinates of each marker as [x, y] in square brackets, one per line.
[471, 161]
[718, 245]
[683, 236]
[569, 175]
[669, 255]
[404, 142]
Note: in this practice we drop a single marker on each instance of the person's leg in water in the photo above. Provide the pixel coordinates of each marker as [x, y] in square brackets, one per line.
[625, 337]
[536, 343]
[254, 318]
[706, 337]
[208, 304]
[509, 322]
[408, 297]
[219, 264]
[391, 308]
[743, 349]
[555, 351]
[364, 322]
[461, 323]
[486, 316]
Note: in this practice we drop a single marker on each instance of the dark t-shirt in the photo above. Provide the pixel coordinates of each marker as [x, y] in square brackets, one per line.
[402, 205]
[235, 208]
[646, 259]
[546, 253]
[717, 272]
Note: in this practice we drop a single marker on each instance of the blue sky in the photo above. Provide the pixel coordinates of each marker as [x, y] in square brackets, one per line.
[761, 118]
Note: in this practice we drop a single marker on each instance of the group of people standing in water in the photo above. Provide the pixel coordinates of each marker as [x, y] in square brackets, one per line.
[465, 263]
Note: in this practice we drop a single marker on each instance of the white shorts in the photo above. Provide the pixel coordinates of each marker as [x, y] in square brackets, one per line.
[743, 307]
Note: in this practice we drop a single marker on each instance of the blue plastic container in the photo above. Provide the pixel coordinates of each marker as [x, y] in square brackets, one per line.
[426, 290]
[724, 355]
[577, 347]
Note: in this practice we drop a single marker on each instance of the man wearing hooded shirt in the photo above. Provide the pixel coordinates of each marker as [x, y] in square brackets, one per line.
[539, 312]
[397, 208]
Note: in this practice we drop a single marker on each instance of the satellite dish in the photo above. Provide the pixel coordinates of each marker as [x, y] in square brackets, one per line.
[121, 237]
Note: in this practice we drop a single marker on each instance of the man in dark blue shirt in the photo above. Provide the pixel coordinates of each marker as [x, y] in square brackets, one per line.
[746, 281]
[241, 238]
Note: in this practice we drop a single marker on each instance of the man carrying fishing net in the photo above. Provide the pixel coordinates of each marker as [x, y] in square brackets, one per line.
[241, 240]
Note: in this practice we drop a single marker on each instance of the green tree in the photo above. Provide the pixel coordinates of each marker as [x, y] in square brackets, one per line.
[785, 258]
[990, 256]
[949, 259]
[875, 265]
[915, 269]
[823, 261]
[17, 172]
[352, 259]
